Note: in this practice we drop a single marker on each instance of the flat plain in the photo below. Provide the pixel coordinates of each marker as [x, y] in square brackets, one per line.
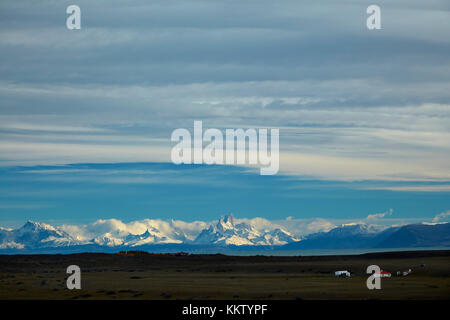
[169, 276]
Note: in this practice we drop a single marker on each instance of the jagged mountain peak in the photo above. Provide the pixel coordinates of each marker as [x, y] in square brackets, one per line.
[226, 222]
[38, 229]
[37, 234]
[229, 219]
[145, 234]
[228, 232]
[37, 226]
[152, 236]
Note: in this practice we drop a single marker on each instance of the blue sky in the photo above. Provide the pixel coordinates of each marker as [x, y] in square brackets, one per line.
[83, 193]
[364, 116]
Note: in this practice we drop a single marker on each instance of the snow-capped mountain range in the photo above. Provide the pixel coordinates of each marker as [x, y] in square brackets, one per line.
[34, 235]
[165, 236]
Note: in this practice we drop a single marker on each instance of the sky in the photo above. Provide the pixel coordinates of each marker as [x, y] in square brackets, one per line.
[86, 115]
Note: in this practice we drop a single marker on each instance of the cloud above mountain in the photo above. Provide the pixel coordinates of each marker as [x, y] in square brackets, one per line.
[173, 229]
[114, 228]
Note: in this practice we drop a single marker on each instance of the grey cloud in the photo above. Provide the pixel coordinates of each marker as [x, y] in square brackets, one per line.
[198, 41]
[139, 69]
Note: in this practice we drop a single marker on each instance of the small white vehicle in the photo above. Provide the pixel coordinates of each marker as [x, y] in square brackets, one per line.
[343, 273]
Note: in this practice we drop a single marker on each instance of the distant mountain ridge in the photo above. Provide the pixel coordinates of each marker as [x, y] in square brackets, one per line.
[418, 235]
[35, 235]
[226, 233]
[360, 236]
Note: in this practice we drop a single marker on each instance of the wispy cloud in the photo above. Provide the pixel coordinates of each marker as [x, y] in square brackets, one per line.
[381, 215]
[444, 216]
[419, 188]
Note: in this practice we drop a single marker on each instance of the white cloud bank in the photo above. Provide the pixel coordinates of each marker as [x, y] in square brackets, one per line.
[115, 228]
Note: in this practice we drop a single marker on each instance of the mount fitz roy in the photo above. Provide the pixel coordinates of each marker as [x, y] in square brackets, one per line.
[226, 232]
[36, 237]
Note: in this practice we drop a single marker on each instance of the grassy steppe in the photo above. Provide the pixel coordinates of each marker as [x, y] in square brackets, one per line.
[148, 276]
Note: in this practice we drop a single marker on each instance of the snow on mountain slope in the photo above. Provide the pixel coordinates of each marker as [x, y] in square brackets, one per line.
[36, 235]
[346, 236]
[115, 233]
[278, 237]
[151, 236]
[350, 229]
[227, 232]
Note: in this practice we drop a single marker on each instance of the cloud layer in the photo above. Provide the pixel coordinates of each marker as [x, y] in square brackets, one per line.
[350, 103]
